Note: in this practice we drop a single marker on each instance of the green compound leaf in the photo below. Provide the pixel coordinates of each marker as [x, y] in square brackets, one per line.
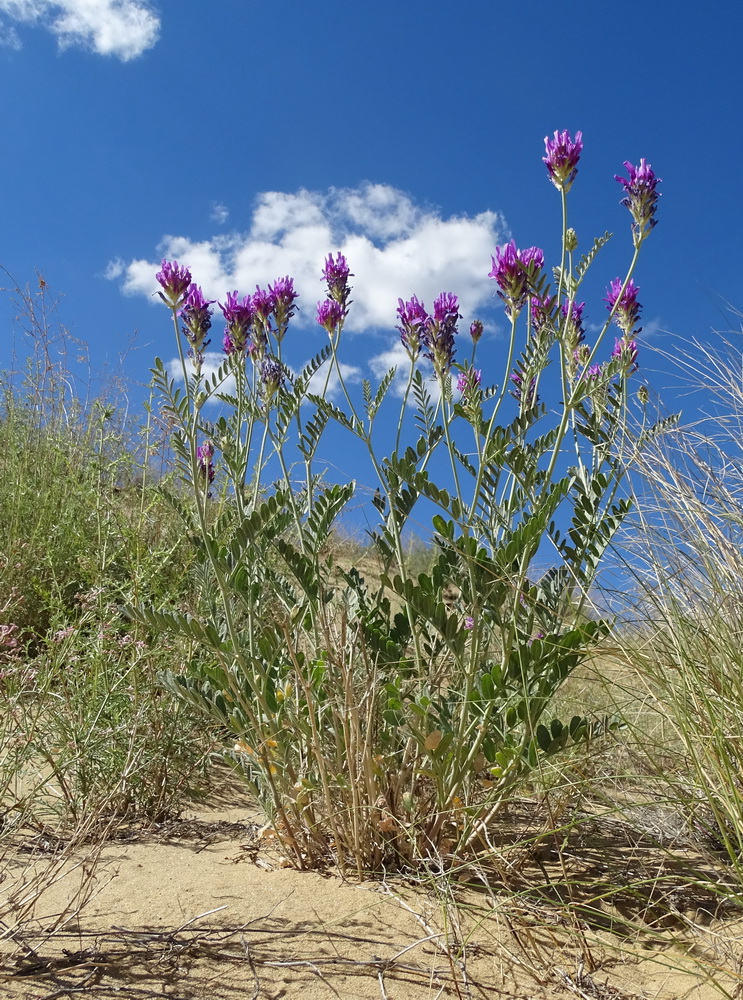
[313, 431]
[325, 509]
[587, 259]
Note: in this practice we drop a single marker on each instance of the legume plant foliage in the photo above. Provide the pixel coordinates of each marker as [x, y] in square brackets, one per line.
[387, 720]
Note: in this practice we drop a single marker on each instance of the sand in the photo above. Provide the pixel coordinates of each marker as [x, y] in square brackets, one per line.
[206, 909]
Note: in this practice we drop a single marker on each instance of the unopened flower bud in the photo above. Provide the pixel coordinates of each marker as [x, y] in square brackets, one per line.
[571, 240]
[643, 395]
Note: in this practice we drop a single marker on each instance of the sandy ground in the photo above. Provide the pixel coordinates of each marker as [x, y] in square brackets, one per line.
[201, 909]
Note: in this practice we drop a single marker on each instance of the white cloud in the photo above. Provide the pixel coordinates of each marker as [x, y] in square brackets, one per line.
[329, 386]
[9, 37]
[321, 384]
[219, 213]
[114, 269]
[397, 357]
[394, 357]
[213, 361]
[394, 247]
[121, 28]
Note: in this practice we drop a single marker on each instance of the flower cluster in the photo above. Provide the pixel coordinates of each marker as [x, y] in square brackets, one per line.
[468, 381]
[204, 456]
[626, 310]
[175, 281]
[627, 351]
[476, 330]
[517, 273]
[332, 311]
[432, 334]
[641, 198]
[625, 306]
[413, 321]
[254, 318]
[542, 310]
[441, 330]
[573, 331]
[283, 296]
[330, 315]
[273, 376]
[239, 314]
[562, 158]
[524, 392]
[262, 302]
[197, 320]
[336, 274]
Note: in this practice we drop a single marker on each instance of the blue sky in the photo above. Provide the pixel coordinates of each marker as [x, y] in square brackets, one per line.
[251, 139]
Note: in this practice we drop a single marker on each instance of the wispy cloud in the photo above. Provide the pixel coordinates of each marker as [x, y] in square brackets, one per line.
[395, 247]
[323, 382]
[219, 213]
[9, 37]
[121, 28]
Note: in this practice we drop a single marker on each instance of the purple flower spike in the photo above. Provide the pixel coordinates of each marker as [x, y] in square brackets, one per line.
[476, 330]
[627, 312]
[573, 330]
[273, 376]
[469, 623]
[525, 396]
[204, 455]
[263, 309]
[336, 273]
[516, 272]
[627, 351]
[284, 296]
[542, 311]
[562, 158]
[239, 315]
[440, 331]
[175, 281]
[468, 381]
[197, 319]
[330, 315]
[413, 323]
[641, 198]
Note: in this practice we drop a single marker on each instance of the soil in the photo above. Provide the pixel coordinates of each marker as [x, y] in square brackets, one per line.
[205, 908]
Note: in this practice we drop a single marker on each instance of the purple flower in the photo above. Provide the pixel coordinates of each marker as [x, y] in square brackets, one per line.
[542, 310]
[468, 380]
[516, 272]
[476, 330]
[627, 311]
[413, 322]
[273, 376]
[641, 198]
[175, 281]
[330, 315]
[197, 319]
[627, 351]
[204, 455]
[263, 308]
[526, 397]
[336, 273]
[284, 296]
[469, 623]
[239, 316]
[562, 158]
[573, 330]
[439, 331]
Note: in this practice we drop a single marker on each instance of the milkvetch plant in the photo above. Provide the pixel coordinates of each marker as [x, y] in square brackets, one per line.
[388, 719]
